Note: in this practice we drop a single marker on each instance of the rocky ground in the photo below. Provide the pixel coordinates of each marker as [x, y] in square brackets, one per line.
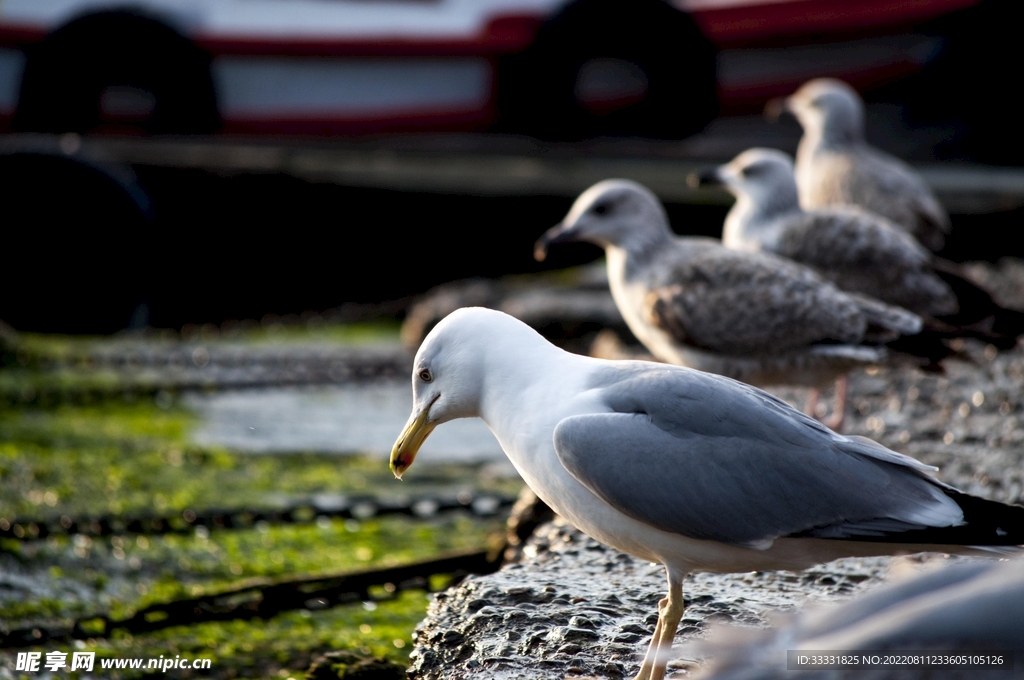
[573, 607]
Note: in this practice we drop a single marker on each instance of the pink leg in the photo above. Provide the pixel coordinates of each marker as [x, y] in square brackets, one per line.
[811, 406]
[839, 414]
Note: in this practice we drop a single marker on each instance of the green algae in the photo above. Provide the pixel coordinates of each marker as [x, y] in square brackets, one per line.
[131, 455]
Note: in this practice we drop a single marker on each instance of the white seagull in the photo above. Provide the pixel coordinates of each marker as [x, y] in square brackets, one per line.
[836, 166]
[689, 469]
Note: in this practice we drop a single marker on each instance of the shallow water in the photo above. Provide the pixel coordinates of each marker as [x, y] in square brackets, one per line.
[362, 418]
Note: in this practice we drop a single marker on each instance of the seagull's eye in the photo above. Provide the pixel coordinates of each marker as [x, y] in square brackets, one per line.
[751, 171]
[425, 375]
[602, 208]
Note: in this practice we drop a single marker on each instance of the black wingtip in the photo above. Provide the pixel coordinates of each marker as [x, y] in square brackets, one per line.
[1008, 323]
[980, 316]
[929, 346]
[986, 524]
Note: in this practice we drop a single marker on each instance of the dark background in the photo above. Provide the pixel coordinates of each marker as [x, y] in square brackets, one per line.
[94, 249]
[213, 248]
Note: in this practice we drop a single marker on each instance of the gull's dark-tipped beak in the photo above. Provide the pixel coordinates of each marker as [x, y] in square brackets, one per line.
[775, 107]
[707, 178]
[560, 233]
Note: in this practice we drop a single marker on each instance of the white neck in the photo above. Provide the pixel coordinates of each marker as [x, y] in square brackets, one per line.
[810, 145]
[521, 402]
[822, 135]
[526, 379]
[753, 226]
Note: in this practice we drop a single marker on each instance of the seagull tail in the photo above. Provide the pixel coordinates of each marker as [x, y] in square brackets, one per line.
[887, 320]
[905, 333]
[1008, 323]
[980, 316]
[928, 348]
[986, 524]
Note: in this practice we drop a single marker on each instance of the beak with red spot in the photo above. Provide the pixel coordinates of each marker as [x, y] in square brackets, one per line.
[409, 442]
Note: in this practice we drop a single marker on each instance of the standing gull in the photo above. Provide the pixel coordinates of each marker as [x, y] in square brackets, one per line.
[836, 166]
[754, 317]
[686, 468]
[854, 249]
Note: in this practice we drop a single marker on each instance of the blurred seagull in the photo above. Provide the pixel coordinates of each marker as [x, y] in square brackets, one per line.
[754, 317]
[689, 469]
[970, 607]
[854, 249]
[835, 166]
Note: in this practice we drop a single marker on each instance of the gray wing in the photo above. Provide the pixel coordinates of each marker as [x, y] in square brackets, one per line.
[877, 182]
[749, 303]
[867, 254]
[886, 185]
[713, 458]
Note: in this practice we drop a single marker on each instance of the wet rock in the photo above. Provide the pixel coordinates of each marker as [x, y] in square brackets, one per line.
[582, 621]
[566, 634]
[635, 628]
[528, 513]
[553, 614]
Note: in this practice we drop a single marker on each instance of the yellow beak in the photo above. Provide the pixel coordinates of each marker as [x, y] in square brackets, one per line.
[410, 441]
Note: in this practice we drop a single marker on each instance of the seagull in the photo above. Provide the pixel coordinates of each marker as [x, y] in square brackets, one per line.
[836, 166]
[754, 317]
[689, 469]
[854, 249]
[976, 606]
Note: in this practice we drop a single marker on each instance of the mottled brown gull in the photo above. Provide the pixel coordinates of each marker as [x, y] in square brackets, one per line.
[750, 316]
[854, 249]
[836, 166]
[689, 469]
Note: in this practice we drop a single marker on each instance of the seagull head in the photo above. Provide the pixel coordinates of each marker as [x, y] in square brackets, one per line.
[762, 176]
[446, 381]
[829, 109]
[615, 212]
[453, 365]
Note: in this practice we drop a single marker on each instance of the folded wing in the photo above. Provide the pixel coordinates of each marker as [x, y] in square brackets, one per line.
[711, 458]
[745, 303]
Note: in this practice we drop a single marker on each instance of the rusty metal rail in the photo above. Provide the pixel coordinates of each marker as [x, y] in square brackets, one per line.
[265, 599]
[331, 507]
